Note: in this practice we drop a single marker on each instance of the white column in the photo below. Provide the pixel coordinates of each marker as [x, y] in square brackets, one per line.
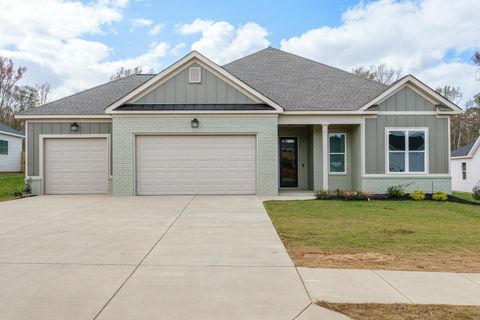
[325, 156]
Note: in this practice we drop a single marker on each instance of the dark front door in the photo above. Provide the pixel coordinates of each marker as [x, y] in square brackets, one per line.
[288, 163]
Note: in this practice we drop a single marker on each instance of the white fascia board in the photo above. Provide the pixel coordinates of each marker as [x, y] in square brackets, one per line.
[68, 117]
[320, 119]
[194, 55]
[337, 113]
[12, 134]
[418, 87]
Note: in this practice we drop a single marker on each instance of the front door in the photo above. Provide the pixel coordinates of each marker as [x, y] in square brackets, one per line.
[288, 163]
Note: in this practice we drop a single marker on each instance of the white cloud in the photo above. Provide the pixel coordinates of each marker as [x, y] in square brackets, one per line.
[222, 42]
[415, 36]
[141, 23]
[156, 29]
[49, 38]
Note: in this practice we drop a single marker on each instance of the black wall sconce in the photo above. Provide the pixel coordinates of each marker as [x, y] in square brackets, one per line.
[194, 123]
[74, 127]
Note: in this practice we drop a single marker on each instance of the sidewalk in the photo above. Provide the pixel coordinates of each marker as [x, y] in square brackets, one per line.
[379, 286]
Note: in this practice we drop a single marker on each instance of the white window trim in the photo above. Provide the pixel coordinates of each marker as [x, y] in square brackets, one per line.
[407, 164]
[344, 153]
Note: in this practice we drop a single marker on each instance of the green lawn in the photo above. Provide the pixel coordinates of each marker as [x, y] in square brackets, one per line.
[465, 195]
[8, 182]
[403, 235]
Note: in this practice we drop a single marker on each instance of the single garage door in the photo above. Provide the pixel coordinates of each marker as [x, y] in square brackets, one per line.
[76, 166]
[195, 165]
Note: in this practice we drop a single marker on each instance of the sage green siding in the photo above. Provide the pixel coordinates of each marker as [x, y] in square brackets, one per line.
[375, 136]
[37, 128]
[357, 158]
[317, 166]
[125, 129]
[406, 100]
[211, 90]
[301, 133]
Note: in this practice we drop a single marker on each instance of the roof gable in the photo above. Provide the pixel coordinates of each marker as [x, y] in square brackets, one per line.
[467, 151]
[9, 130]
[194, 58]
[301, 84]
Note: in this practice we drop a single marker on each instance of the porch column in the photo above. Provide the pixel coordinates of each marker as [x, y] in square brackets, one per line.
[325, 156]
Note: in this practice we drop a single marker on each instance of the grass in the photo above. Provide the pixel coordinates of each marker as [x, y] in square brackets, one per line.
[393, 235]
[465, 195]
[8, 182]
[404, 311]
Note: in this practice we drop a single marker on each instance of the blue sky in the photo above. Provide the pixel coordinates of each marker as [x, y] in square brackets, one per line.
[75, 45]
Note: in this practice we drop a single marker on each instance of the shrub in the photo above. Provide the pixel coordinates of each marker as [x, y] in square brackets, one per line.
[323, 195]
[417, 195]
[476, 191]
[397, 191]
[439, 196]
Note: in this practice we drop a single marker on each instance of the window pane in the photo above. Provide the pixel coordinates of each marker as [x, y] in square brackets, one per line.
[337, 163]
[416, 161]
[337, 143]
[416, 140]
[396, 161]
[396, 140]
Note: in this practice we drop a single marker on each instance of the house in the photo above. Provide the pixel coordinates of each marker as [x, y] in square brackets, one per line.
[10, 149]
[268, 121]
[466, 167]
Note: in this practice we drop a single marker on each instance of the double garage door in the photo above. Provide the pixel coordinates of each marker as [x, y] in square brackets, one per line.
[164, 165]
[195, 165]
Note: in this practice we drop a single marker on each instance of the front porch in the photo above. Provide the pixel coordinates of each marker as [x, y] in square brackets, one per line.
[319, 157]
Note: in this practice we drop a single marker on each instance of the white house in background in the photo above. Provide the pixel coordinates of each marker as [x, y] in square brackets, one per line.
[465, 167]
[10, 149]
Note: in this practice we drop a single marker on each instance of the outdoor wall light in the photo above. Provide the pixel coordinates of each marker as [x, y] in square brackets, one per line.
[74, 127]
[194, 123]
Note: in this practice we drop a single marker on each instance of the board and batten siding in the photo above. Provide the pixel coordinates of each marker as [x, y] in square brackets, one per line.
[211, 90]
[35, 129]
[406, 100]
[375, 137]
[11, 162]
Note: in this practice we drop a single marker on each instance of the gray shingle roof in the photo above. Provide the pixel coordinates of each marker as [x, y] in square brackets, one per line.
[92, 101]
[300, 84]
[463, 151]
[293, 82]
[5, 128]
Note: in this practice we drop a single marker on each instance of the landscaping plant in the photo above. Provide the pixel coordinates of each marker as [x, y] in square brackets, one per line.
[439, 196]
[397, 191]
[476, 191]
[417, 195]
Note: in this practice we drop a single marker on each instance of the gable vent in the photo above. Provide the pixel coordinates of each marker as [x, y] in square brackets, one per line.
[194, 74]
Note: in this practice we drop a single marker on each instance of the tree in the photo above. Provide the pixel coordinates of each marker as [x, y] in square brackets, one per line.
[452, 93]
[455, 95]
[381, 73]
[9, 76]
[124, 72]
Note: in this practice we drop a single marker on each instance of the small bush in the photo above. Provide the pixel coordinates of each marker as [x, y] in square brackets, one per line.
[439, 196]
[417, 195]
[476, 191]
[340, 195]
[323, 195]
[397, 191]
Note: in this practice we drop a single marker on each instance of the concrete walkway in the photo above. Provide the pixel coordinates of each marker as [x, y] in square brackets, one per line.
[378, 286]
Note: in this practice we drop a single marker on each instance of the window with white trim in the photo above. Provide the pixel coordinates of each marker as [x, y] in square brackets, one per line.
[337, 153]
[406, 151]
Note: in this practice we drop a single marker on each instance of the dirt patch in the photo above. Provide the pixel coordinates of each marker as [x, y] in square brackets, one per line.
[371, 311]
[465, 262]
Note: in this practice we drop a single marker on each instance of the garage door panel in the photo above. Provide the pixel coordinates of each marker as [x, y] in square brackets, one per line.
[76, 166]
[196, 165]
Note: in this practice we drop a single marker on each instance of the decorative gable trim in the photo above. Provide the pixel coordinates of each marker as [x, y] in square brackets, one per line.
[420, 88]
[185, 62]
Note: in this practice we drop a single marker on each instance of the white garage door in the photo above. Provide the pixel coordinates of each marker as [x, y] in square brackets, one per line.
[76, 166]
[195, 165]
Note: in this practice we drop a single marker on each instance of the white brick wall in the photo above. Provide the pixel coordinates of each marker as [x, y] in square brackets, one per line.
[125, 128]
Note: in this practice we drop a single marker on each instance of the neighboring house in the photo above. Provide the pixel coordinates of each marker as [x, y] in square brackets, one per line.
[466, 167]
[268, 121]
[10, 149]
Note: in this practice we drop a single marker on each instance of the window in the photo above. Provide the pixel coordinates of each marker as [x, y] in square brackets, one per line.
[337, 157]
[464, 170]
[194, 74]
[406, 151]
[3, 147]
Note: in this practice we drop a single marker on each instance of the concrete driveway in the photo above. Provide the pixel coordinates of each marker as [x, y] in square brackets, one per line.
[183, 257]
